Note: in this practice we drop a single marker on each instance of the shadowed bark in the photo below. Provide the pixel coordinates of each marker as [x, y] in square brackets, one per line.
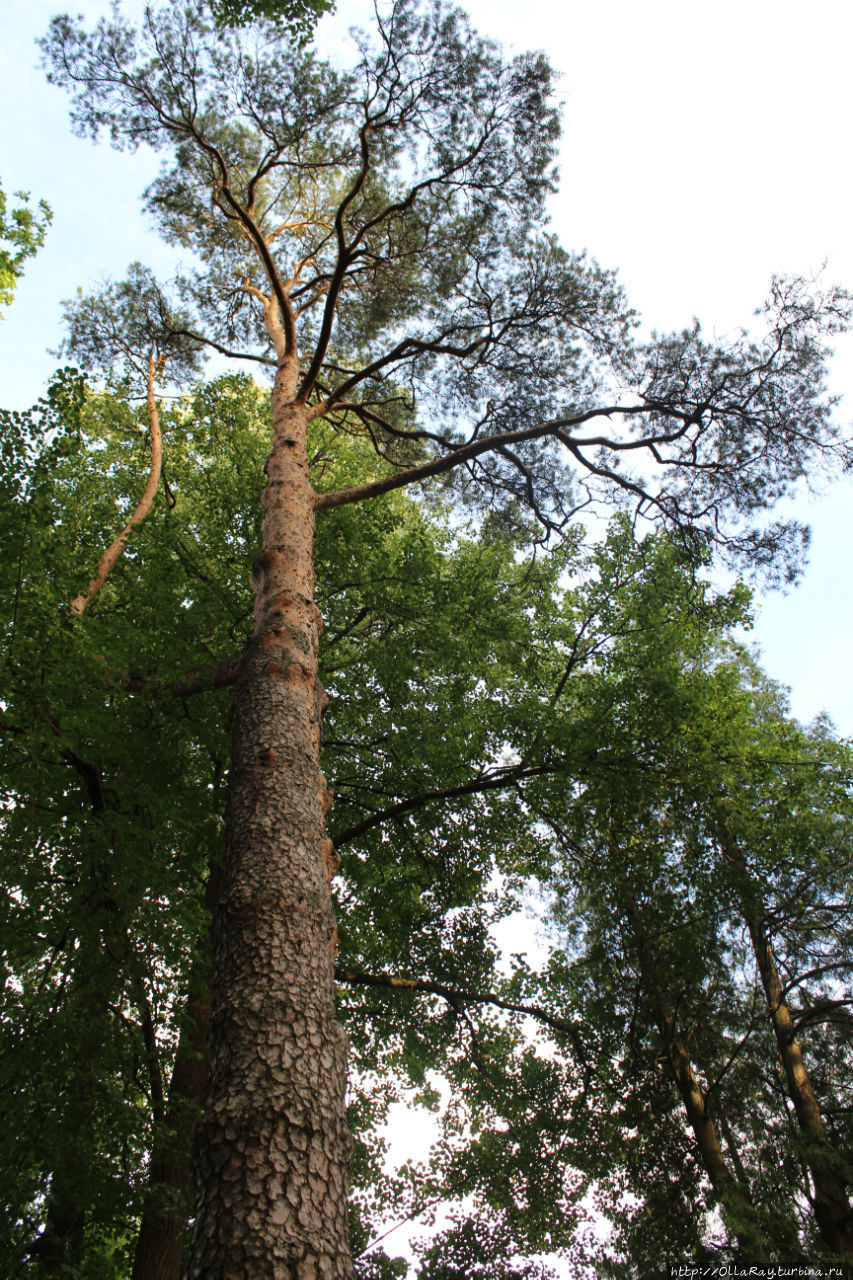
[162, 1231]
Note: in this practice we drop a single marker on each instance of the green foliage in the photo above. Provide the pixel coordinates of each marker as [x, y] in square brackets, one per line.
[118, 330]
[297, 16]
[108, 841]
[475, 1248]
[665, 737]
[695, 755]
[22, 234]
[497, 728]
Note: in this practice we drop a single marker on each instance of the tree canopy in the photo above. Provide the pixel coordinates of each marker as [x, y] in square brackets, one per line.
[391, 220]
[611, 797]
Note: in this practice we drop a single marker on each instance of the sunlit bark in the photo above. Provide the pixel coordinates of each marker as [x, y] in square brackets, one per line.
[116, 548]
[273, 1154]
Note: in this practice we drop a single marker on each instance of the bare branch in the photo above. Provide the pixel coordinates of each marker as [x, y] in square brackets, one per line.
[466, 453]
[497, 779]
[217, 346]
[116, 548]
[456, 997]
[343, 261]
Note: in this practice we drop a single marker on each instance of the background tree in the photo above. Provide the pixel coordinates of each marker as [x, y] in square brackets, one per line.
[22, 233]
[668, 940]
[98, 855]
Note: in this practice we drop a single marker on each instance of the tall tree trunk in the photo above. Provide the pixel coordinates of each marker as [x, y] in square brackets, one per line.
[162, 1231]
[831, 1203]
[98, 959]
[273, 1146]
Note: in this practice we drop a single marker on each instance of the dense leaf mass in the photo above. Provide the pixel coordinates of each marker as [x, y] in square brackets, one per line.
[607, 743]
[297, 17]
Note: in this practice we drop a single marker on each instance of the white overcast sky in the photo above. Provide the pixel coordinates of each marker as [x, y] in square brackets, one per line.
[706, 147]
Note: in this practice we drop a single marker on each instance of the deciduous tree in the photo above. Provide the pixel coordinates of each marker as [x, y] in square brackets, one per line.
[22, 233]
[94, 817]
[298, 17]
[702, 887]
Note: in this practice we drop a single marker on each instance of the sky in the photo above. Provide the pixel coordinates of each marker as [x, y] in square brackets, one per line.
[705, 149]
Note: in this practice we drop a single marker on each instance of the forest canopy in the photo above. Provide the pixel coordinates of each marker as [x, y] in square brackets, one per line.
[222, 966]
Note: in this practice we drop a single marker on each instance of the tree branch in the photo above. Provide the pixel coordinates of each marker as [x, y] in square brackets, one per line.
[409, 346]
[466, 453]
[217, 346]
[343, 261]
[196, 680]
[455, 997]
[487, 782]
[117, 546]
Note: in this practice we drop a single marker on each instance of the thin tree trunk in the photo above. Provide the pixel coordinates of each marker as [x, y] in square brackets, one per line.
[273, 1146]
[162, 1231]
[831, 1200]
[831, 1204]
[734, 1153]
[696, 1109]
[733, 1197]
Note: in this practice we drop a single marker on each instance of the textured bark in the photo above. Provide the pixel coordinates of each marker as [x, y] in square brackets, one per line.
[831, 1203]
[273, 1146]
